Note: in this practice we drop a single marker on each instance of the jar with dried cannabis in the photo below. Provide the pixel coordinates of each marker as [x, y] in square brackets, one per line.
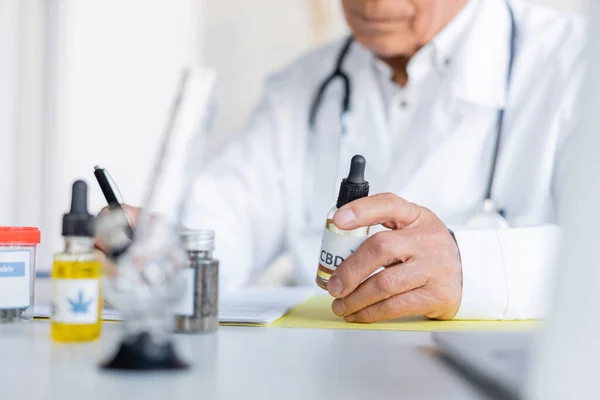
[198, 310]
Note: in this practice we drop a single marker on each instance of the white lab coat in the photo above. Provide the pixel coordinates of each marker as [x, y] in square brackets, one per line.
[252, 193]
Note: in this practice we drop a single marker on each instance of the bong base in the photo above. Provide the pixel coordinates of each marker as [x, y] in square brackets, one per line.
[141, 353]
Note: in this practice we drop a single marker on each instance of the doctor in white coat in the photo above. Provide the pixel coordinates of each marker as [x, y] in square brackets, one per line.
[430, 83]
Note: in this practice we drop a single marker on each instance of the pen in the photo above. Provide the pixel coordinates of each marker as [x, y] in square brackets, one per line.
[110, 196]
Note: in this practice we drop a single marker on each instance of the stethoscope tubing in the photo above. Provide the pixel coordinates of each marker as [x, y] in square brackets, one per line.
[338, 73]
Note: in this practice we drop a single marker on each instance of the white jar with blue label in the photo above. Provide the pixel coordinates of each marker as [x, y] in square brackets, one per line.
[17, 272]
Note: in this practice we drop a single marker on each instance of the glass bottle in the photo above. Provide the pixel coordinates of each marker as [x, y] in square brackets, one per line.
[338, 244]
[76, 277]
[346, 242]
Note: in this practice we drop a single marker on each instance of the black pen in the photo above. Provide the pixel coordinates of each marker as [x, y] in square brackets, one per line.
[109, 195]
[107, 191]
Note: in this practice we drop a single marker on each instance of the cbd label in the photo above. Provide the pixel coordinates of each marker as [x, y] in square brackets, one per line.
[336, 248]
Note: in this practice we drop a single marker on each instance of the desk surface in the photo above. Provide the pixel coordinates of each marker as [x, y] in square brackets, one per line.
[235, 363]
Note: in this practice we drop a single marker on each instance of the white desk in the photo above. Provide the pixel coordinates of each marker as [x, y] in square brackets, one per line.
[235, 363]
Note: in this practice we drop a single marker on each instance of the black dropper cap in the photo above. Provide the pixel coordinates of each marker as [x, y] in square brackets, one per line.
[78, 222]
[354, 187]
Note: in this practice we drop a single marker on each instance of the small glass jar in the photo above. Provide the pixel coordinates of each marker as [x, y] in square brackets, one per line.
[198, 309]
[17, 272]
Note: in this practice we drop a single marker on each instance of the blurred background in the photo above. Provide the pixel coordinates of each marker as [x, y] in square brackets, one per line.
[86, 82]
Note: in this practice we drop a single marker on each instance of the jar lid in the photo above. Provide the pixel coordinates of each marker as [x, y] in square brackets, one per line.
[19, 235]
[198, 240]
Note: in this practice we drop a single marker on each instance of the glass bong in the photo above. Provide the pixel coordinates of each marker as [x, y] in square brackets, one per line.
[144, 283]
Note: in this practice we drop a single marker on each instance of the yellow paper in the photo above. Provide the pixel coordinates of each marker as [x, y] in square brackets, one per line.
[316, 314]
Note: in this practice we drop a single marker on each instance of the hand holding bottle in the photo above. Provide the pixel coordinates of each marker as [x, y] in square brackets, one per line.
[423, 276]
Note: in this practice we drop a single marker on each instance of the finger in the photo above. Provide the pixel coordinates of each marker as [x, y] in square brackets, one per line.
[417, 302]
[101, 245]
[383, 248]
[387, 208]
[392, 281]
[111, 226]
[133, 214]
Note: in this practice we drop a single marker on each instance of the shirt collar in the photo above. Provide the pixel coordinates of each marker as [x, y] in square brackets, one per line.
[440, 50]
[474, 48]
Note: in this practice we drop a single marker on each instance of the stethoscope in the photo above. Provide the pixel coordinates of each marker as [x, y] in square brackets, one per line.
[489, 216]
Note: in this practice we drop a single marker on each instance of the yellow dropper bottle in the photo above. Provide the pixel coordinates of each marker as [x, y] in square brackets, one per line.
[76, 276]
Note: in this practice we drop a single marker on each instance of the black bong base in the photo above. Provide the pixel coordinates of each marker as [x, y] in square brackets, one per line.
[141, 353]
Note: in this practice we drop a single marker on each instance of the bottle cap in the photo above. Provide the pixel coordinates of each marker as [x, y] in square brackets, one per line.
[78, 222]
[354, 186]
[19, 235]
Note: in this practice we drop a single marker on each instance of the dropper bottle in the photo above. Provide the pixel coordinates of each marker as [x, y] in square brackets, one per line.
[338, 244]
[76, 276]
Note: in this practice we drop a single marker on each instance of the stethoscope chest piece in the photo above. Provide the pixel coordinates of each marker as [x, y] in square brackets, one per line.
[488, 218]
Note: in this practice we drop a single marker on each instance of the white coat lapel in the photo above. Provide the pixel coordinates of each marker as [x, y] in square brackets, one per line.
[459, 124]
[454, 175]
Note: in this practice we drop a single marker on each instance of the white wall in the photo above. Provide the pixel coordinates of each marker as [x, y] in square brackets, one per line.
[9, 12]
[247, 40]
[21, 118]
